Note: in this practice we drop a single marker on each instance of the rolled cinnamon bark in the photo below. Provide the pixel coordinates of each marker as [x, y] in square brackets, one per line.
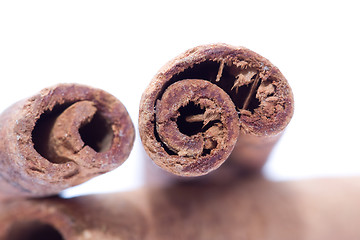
[244, 208]
[254, 208]
[209, 102]
[61, 137]
[82, 218]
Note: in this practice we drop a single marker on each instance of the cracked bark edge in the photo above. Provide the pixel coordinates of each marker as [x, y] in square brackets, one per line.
[58, 158]
[233, 69]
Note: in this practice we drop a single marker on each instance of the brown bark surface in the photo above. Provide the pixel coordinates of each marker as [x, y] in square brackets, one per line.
[209, 102]
[237, 209]
[61, 137]
[83, 218]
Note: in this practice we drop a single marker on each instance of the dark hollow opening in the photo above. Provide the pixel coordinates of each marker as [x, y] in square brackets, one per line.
[41, 132]
[254, 102]
[33, 230]
[97, 134]
[240, 95]
[206, 152]
[208, 70]
[189, 128]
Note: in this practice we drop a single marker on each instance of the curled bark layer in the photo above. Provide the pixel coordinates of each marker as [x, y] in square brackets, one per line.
[188, 130]
[61, 137]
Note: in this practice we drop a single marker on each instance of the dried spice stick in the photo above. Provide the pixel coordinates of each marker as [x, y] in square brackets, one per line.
[244, 208]
[82, 218]
[254, 208]
[211, 101]
[61, 137]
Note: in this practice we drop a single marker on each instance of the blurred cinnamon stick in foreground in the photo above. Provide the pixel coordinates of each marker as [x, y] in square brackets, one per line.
[61, 137]
[209, 102]
[245, 208]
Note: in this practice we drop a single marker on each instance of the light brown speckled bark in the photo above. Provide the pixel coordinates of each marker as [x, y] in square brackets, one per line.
[189, 131]
[61, 137]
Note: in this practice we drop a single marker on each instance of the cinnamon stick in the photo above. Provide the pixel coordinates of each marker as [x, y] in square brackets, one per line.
[61, 137]
[254, 208]
[245, 208]
[105, 217]
[209, 102]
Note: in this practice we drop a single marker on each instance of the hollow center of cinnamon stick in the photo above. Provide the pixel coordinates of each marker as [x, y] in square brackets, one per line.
[97, 134]
[33, 230]
[195, 118]
[186, 122]
[67, 128]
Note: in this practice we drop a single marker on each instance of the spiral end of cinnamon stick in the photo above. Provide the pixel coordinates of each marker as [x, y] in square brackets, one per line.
[197, 125]
[261, 105]
[62, 137]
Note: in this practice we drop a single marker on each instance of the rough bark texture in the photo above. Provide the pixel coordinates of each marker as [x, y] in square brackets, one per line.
[237, 209]
[61, 137]
[189, 130]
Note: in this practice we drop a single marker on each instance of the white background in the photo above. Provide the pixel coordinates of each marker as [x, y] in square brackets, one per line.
[119, 45]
